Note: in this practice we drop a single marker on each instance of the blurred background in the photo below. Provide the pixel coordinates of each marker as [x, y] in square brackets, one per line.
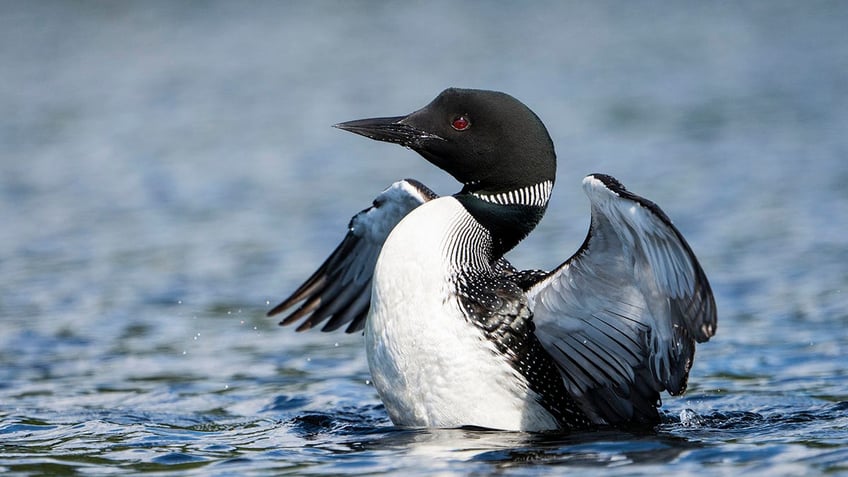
[168, 171]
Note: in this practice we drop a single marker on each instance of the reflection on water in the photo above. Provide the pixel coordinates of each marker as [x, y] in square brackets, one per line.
[167, 170]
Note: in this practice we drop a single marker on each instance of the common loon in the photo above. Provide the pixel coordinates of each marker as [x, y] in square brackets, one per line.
[457, 336]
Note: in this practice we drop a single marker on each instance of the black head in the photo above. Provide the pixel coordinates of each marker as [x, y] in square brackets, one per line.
[487, 140]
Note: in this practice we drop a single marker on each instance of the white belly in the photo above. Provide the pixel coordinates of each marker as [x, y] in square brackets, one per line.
[431, 367]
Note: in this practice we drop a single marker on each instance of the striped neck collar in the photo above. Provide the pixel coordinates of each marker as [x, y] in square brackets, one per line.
[536, 195]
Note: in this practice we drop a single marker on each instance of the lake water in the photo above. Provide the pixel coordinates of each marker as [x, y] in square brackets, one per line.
[167, 172]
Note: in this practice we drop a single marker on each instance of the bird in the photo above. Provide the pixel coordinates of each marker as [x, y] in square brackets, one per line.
[455, 335]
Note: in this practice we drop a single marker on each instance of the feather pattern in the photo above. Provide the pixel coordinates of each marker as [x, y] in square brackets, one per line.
[595, 340]
[536, 195]
[621, 316]
[340, 290]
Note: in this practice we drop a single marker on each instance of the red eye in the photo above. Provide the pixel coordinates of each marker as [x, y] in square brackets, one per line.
[461, 123]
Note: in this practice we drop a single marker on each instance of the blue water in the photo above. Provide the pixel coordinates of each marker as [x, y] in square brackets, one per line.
[167, 171]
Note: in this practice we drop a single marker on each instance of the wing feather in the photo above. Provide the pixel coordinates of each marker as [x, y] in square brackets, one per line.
[339, 292]
[621, 317]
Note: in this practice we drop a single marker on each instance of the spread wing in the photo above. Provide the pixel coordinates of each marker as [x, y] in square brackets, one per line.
[340, 290]
[621, 317]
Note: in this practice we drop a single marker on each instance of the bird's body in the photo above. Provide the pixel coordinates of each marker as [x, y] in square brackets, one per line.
[431, 367]
[457, 336]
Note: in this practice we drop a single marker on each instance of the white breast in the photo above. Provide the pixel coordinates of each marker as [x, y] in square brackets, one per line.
[431, 366]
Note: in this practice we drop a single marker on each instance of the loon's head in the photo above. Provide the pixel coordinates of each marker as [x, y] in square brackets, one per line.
[489, 141]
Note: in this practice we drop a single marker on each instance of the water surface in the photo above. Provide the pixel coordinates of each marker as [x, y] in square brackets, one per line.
[167, 171]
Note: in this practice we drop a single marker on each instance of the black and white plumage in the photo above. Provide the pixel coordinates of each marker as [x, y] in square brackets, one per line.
[455, 335]
[340, 290]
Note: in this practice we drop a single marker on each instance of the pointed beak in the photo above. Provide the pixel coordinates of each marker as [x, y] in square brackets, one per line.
[393, 130]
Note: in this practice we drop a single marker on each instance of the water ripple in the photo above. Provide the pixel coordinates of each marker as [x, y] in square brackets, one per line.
[167, 171]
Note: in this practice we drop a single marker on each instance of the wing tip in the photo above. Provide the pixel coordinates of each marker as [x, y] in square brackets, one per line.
[605, 180]
[708, 326]
[602, 188]
[281, 307]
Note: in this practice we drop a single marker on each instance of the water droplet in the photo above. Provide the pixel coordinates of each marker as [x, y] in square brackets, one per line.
[690, 418]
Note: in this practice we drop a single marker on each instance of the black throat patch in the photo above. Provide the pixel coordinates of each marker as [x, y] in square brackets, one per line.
[507, 224]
